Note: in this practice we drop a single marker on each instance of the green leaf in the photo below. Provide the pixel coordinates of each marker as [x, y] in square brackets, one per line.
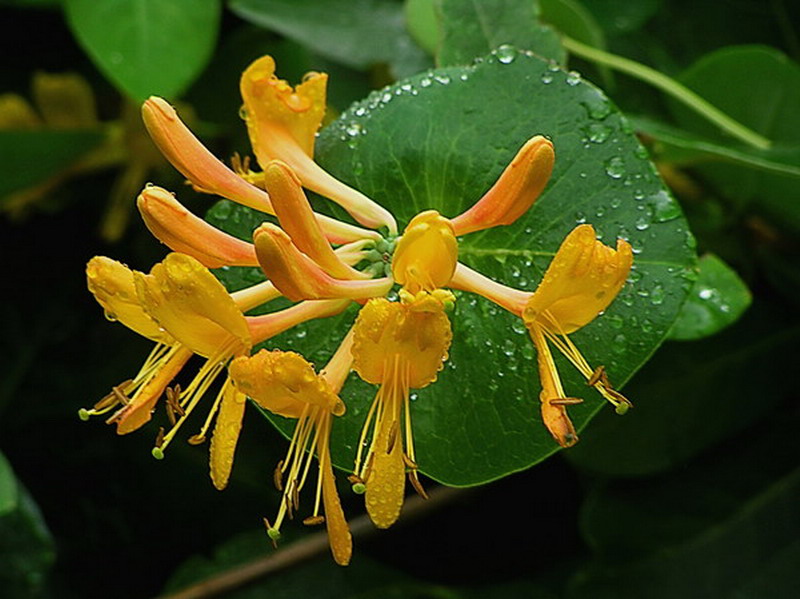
[622, 16]
[147, 47]
[31, 157]
[683, 147]
[717, 300]
[357, 33]
[423, 24]
[693, 395]
[572, 19]
[471, 29]
[760, 87]
[726, 528]
[440, 140]
[26, 548]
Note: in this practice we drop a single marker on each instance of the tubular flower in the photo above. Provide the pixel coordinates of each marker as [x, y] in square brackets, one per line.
[285, 383]
[402, 346]
[183, 308]
[324, 265]
[582, 280]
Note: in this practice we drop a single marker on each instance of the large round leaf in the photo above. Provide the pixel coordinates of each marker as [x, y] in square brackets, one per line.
[439, 140]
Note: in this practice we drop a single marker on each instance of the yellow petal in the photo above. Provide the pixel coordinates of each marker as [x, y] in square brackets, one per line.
[554, 416]
[112, 284]
[138, 412]
[226, 434]
[298, 277]
[65, 100]
[386, 482]
[283, 383]
[275, 109]
[384, 330]
[582, 280]
[426, 254]
[339, 537]
[514, 192]
[297, 219]
[189, 302]
[170, 222]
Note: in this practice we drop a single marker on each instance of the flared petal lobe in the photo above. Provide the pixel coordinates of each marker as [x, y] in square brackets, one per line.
[226, 434]
[384, 329]
[582, 280]
[112, 284]
[283, 383]
[188, 301]
[426, 255]
[272, 104]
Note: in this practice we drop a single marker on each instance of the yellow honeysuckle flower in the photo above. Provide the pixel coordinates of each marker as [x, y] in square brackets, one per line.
[183, 308]
[323, 264]
[285, 384]
[582, 280]
[282, 122]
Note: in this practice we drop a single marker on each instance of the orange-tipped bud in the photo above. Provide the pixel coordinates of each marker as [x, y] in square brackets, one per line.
[298, 277]
[194, 161]
[297, 219]
[182, 231]
[514, 192]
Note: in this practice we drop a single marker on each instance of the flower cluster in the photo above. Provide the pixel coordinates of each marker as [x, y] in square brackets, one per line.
[323, 265]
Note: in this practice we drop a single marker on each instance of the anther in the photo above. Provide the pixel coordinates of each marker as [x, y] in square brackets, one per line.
[160, 437]
[277, 476]
[414, 480]
[314, 520]
[392, 437]
[119, 395]
[597, 376]
[411, 464]
[565, 401]
[197, 439]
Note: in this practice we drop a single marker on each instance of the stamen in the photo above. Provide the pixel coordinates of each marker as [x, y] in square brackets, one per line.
[414, 480]
[565, 401]
[314, 520]
[277, 476]
[196, 439]
[160, 437]
[409, 462]
[598, 375]
[392, 437]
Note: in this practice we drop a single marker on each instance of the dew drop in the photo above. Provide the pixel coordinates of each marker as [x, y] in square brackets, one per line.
[443, 79]
[547, 78]
[615, 167]
[425, 82]
[598, 133]
[657, 295]
[353, 129]
[360, 111]
[506, 54]
[664, 207]
[573, 78]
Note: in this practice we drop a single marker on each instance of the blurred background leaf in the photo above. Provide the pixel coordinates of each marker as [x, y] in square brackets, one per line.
[26, 547]
[126, 39]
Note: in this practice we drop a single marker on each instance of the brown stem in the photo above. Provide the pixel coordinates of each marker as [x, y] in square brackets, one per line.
[305, 549]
